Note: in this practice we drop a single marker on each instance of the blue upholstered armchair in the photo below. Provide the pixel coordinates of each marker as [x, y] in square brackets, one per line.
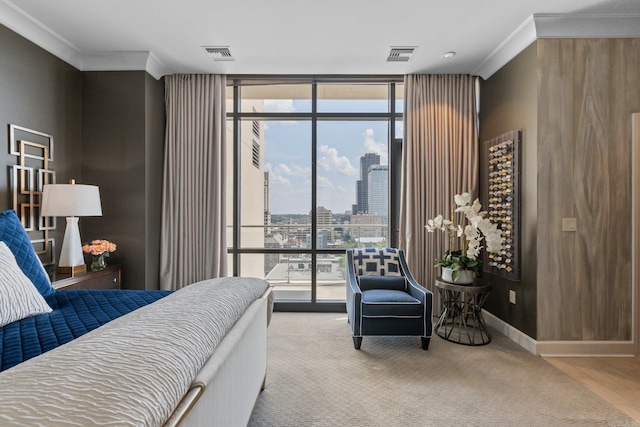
[383, 298]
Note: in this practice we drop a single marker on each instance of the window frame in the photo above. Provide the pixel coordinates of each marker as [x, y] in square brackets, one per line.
[395, 159]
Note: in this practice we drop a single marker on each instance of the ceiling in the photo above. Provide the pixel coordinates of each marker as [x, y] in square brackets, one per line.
[308, 37]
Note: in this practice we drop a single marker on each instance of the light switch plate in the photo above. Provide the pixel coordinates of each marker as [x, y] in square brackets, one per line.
[512, 296]
[569, 224]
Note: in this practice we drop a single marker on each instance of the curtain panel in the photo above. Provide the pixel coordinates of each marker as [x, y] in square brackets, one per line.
[439, 160]
[193, 240]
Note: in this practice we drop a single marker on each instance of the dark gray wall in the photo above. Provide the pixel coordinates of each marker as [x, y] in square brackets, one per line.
[41, 92]
[154, 160]
[508, 101]
[123, 132]
[108, 130]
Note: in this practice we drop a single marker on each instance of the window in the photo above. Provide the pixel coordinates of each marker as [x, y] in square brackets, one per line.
[320, 150]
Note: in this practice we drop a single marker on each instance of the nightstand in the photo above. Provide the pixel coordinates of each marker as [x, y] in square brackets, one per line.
[109, 278]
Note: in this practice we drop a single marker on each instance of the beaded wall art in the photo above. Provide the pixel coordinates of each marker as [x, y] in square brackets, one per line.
[501, 194]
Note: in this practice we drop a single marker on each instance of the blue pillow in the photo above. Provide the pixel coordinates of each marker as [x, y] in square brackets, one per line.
[13, 234]
[396, 283]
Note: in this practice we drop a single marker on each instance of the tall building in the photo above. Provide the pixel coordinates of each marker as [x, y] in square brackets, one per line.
[324, 216]
[378, 194]
[362, 185]
[361, 198]
[324, 219]
[366, 225]
[267, 208]
[323, 239]
[252, 166]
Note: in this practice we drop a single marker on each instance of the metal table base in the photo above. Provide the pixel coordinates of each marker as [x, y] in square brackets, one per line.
[461, 318]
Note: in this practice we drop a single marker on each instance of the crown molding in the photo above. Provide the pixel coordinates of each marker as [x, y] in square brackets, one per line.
[515, 43]
[155, 67]
[123, 61]
[578, 26]
[36, 32]
[540, 26]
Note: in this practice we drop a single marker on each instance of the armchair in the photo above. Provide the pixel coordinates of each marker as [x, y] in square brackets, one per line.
[383, 298]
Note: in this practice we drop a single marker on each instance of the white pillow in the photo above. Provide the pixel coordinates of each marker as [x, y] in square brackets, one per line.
[19, 298]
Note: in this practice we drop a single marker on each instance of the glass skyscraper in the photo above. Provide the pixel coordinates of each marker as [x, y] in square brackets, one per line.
[362, 185]
[378, 190]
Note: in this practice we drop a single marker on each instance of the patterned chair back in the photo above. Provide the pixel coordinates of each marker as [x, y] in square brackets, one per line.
[376, 262]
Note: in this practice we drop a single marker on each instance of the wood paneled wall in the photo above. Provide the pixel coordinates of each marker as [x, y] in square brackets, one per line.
[587, 91]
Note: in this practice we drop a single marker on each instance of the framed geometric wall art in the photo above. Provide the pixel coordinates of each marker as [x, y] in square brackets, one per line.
[501, 191]
[34, 152]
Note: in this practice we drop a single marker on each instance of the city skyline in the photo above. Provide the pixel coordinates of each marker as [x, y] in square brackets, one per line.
[287, 158]
[340, 144]
[367, 160]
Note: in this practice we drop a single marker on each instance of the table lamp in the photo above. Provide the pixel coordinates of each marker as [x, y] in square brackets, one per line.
[71, 201]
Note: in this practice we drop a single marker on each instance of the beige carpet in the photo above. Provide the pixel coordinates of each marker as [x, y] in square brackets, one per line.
[316, 378]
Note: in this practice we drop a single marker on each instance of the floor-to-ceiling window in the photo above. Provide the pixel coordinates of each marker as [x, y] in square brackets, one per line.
[313, 168]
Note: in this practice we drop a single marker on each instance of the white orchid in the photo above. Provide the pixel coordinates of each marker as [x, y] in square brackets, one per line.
[438, 223]
[462, 199]
[478, 229]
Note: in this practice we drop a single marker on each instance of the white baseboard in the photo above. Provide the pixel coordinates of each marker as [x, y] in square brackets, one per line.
[561, 348]
[515, 335]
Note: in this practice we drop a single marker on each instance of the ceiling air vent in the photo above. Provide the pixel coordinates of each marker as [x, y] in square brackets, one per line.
[400, 54]
[220, 53]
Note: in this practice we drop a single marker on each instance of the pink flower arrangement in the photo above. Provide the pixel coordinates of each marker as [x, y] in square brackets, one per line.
[99, 247]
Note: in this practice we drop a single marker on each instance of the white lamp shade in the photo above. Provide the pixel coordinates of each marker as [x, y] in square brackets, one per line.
[70, 200]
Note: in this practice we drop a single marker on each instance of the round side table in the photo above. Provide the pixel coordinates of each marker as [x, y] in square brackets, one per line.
[461, 318]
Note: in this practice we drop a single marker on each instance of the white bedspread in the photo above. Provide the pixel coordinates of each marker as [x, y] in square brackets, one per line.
[131, 371]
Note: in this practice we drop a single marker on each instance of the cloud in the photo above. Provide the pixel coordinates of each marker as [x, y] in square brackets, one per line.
[283, 169]
[324, 182]
[300, 172]
[279, 106]
[330, 161]
[373, 146]
[282, 173]
[277, 174]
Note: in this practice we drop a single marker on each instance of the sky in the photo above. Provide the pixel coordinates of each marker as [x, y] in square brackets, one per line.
[287, 158]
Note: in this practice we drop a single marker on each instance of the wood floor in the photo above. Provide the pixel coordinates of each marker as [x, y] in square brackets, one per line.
[615, 379]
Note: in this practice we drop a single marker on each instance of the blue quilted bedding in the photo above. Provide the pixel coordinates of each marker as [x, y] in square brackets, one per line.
[75, 312]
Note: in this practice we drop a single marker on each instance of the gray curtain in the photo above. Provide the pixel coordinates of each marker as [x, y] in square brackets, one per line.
[193, 242]
[439, 160]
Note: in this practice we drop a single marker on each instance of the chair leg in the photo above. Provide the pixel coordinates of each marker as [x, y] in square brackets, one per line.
[357, 342]
[425, 342]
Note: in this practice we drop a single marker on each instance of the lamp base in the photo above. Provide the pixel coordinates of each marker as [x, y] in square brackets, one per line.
[73, 271]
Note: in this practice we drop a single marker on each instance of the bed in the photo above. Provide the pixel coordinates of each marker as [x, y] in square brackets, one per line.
[194, 357]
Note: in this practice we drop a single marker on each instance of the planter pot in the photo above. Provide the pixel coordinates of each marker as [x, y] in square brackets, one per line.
[464, 278]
